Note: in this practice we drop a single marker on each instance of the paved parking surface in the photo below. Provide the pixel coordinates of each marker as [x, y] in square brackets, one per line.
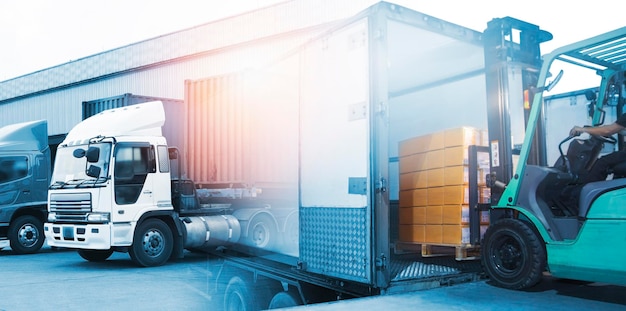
[62, 280]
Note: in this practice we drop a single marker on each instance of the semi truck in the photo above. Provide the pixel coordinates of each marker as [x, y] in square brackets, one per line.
[25, 167]
[316, 134]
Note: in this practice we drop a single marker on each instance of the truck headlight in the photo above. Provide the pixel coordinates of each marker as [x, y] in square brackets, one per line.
[52, 217]
[98, 217]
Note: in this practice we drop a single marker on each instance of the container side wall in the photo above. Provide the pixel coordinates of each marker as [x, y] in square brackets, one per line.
[242, 128]
[335, 237]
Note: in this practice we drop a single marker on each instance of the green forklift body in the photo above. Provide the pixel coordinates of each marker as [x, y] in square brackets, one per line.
[598, 251]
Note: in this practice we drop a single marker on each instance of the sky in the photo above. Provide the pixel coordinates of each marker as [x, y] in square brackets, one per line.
[38, 34]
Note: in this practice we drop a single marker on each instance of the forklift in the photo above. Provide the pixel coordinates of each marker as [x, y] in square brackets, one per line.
[533, 231]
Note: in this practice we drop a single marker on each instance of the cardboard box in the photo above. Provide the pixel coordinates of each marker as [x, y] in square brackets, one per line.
[459, 155]
[433, 215]
[455, 195]
[462, 136]
[415, 180]
[453, 156]
[419, 144]
[435, 177]
[456, 214]
[455, 175]
[484, 194]
[411, 146]
[458, 234]
[414, 197]
[412, 215]
[435, 196]
[413, 163]
[433, 234]
[411, 233]
[459, 215]
[434, 159]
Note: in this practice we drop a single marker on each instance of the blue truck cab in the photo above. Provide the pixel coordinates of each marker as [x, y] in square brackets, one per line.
[25, 169]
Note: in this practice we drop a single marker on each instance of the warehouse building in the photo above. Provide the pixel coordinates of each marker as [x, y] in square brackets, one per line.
[158, 67]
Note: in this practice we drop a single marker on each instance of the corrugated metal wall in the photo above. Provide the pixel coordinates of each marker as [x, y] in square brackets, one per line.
[230, 32]
[63, 108]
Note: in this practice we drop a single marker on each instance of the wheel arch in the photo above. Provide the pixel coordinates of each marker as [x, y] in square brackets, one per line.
[40, 211]
[533, 221]
[246, 216]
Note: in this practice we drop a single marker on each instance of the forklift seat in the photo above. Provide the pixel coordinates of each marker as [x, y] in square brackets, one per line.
[593, 190]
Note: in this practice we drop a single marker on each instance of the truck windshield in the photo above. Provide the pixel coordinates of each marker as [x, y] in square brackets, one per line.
[72, 171]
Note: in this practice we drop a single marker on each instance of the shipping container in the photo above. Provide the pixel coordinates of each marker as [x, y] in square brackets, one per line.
[173, 109]
[327, 119]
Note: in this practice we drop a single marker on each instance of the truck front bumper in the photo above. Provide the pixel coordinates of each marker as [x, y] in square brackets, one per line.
[87, 236]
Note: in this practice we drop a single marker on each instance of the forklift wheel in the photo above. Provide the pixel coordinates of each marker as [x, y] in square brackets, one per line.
[513, 256]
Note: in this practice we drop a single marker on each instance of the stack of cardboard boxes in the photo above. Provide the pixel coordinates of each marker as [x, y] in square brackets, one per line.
[434, 186]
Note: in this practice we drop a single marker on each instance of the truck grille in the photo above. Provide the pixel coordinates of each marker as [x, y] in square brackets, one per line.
[70, 207]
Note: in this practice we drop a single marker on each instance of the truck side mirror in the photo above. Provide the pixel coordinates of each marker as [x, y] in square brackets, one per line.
[93, 171]
[78, 153]
[172, 153]
[93, 154]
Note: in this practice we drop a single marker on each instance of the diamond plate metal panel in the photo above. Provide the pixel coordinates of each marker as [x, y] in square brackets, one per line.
[335, 242]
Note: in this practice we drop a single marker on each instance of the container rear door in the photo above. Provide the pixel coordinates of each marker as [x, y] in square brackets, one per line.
[335, 156]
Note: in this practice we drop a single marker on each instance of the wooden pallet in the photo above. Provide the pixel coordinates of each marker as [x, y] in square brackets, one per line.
[460, 252]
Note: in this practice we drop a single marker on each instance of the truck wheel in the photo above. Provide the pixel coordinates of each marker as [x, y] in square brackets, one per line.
[238, 296]
[285, 300]
[513, 256]
[152, 244]
[95, 255]
[26, 235]
[262, 231]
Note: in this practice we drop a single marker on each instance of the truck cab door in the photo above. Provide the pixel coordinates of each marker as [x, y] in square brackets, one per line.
[133, 179]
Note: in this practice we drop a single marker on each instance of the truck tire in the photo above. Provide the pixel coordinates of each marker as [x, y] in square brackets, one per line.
[262, 232]
[238, 296]
[285, 300]
[513, 256]
[152, 244]
[26, 235]
[95, 255]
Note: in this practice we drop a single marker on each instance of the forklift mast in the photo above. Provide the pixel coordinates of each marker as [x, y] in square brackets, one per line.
[511, 49]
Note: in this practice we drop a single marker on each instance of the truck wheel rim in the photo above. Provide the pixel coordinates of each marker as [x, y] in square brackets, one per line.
[153, 243]
[260, 235]
[28, 235]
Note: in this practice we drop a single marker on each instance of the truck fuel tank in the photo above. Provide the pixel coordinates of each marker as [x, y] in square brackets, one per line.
[211, 231]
